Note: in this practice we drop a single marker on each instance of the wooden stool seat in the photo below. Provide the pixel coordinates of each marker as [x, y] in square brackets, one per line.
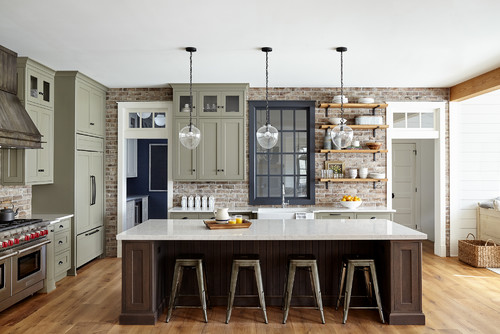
[308, 262]
[350, 263]
[192, 261]
[245, 261]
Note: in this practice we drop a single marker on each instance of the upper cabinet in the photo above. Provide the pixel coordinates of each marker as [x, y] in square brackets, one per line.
[35, 83]
[90, 106]
[219, 113]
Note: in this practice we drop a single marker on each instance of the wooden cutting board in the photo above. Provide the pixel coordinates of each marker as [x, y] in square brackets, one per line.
[211, 224]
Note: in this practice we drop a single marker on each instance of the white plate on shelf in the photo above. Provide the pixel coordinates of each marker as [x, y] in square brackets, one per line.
[377, 176]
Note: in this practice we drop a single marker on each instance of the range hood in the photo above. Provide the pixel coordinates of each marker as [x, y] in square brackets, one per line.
[17, 130]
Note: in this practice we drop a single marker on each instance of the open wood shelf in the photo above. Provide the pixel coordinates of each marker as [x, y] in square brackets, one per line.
[352, 151]
[357, 127]
[354, 105]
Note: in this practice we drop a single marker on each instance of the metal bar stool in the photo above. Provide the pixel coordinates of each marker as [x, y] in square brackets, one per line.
[245, 261]
[349, 265]
[191, 261]
[307, 262]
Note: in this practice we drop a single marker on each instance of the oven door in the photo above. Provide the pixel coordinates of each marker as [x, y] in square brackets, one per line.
[28, 266]
[5, 278]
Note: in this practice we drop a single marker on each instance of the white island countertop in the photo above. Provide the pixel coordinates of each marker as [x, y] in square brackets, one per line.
[314, 209]
[274, 229]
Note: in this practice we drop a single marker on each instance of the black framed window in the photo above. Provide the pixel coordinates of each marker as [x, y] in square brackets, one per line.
[291, 161]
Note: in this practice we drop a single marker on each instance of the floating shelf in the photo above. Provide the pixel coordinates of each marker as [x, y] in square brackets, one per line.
[357, 127]
[352, 151]
[375, 181]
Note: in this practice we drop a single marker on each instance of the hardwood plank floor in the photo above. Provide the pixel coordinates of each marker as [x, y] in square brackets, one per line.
[457, 299]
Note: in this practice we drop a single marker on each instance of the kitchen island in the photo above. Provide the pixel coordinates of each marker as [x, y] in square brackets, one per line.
[149, 252]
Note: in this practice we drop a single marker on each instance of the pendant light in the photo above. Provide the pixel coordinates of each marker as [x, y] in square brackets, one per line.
[190, 135]
[342, 134]
[267, 135]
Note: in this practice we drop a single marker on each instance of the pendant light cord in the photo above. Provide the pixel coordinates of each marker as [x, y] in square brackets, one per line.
[341, 90]
[267, 89]
[190, 90]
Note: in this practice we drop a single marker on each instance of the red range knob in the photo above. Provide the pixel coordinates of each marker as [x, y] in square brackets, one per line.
[37, 234]
[5, 244]
[16, 241]
[27, 237]
[11, 242]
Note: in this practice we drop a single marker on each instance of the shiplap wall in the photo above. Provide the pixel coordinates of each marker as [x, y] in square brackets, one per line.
[475, 162]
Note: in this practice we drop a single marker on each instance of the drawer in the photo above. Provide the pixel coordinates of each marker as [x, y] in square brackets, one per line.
[373, 215]
[184, 215]
[88, 246]
[62, 241]
[62, 262]
[63, 225]
[334, 215]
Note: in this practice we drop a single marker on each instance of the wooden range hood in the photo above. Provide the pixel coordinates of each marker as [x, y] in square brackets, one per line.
[17, 130]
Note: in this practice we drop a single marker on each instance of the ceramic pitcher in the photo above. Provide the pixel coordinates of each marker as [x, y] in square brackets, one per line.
[221, 213]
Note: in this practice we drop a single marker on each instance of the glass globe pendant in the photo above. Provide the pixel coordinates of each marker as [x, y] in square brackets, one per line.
[342, 134]
[190, 135]
[267, 135]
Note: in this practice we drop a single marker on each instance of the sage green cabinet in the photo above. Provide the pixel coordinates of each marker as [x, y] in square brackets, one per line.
[184, 162]
[219, 113]
[334, 215]
[353, 215]
[90, 106]
[374, 215]
[36, 92]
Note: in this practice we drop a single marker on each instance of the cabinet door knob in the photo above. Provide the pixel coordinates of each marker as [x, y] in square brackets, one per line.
[60, 242]
[61, 226]
[193, 170]
[41, 93]
[60, 262]
[91, 123]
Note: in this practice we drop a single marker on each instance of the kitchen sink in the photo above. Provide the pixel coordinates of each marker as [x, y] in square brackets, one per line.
[284, 213]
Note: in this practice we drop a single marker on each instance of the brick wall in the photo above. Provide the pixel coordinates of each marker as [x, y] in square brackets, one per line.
[236, 193]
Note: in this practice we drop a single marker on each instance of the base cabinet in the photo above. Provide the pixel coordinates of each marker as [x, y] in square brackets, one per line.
[58, 253]
[88, 246]
[354, 215]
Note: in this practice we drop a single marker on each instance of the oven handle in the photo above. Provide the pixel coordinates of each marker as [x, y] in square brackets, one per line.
[7, 256]
[34, 246]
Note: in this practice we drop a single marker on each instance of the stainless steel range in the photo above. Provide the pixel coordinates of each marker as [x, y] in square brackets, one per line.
[22, 259]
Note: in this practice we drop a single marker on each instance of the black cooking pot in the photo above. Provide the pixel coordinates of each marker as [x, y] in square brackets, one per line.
[8, 214]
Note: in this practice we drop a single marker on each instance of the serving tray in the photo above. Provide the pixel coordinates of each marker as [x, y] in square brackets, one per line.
[211, 224]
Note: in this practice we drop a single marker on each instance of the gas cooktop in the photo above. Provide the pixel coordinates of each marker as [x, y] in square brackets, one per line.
[5, 226]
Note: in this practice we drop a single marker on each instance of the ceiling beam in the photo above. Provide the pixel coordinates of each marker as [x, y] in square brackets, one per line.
[479, 85]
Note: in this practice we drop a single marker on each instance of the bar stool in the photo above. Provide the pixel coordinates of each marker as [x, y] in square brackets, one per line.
[245, 261]
[350, 264]
[191, 261]
[304, 262]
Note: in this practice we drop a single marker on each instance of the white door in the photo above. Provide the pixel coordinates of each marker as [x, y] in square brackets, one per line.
[404, 184]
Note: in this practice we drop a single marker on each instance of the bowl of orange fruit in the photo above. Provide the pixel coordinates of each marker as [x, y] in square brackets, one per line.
[351, 202]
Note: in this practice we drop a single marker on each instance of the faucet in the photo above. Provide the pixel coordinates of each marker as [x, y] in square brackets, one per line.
[284, 203]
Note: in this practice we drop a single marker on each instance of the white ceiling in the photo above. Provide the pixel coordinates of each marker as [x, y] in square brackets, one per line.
[127, 43]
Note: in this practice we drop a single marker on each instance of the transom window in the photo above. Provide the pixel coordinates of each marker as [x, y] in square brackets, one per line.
[146, 120]
[414, 120]
[291, 161]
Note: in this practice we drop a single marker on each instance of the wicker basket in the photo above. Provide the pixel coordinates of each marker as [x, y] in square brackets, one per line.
[479, 253]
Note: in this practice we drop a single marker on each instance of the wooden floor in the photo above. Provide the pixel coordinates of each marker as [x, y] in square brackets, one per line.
[457, 299]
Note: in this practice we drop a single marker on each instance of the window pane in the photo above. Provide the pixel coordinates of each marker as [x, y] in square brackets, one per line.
[133, 120]
[287, 119]
[301, 142]
[288, 141]
[289, 186]
[159, 120]
[413, 120]
[275, 186]
[262, 164]
[261, 118]
[301, 186]
[399, 120]
[427, 120]
[288, 164]
[147, 120]
[301, 119]
[275, 164]
[275, 118]
[261, 186]
[301, 164]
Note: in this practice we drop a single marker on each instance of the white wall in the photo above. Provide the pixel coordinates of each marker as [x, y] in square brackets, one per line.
[474, 161]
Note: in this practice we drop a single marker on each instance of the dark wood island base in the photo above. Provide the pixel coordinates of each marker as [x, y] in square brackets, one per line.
[147, 268]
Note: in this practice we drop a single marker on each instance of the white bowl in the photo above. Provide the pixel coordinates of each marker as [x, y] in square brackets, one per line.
[376, 176]
[335, 120]
[338, 100]
[366, 100]
[351, 204]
